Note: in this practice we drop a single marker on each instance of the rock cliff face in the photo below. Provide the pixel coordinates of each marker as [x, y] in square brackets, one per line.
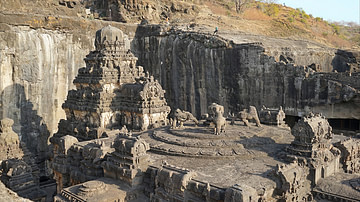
[197, 69]
[37, 68]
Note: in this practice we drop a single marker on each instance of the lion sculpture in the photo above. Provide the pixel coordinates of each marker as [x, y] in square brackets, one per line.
[181, 117]
[216, 112]
[247, 114]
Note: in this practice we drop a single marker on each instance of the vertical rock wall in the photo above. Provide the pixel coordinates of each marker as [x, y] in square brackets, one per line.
[197, 69]
[37, 67]
[188, 70]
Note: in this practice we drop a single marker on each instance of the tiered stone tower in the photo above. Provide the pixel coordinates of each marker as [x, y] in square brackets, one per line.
[312, 146]
[111, 91]
[129, 160]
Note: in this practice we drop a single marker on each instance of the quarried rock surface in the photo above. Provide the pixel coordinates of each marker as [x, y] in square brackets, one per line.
[246, 71]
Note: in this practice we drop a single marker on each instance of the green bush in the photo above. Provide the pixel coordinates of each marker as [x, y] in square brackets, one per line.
[291, 19]
[300, 12]
[294, 13]
[336, 28]
[318, 19]
[303, 20]
[272, 9]
[304, 15]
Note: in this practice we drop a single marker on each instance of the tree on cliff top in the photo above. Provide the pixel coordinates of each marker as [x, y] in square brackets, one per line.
[241, 5]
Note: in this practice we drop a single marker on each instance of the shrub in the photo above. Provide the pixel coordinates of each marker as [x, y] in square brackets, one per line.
[304, 15]
[293, 13]
[318, 19]
[300, 10]
[291, 19]
[336, 28]
[272, 9]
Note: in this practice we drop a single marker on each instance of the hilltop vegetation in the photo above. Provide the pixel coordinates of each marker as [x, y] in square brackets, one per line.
[263, 17]
[271, 19]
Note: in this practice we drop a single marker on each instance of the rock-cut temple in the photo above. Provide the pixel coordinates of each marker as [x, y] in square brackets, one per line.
[112, 91]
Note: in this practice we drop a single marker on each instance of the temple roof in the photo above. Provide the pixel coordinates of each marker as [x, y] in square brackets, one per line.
[108, 35]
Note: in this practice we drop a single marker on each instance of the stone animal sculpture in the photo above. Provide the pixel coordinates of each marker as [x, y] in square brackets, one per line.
[182, 116]
[215, 115]
[220, 122]
[213, 109]
[247, 114]
[280, 117]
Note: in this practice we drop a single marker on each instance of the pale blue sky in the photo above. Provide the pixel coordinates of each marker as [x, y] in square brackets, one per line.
[333, 10]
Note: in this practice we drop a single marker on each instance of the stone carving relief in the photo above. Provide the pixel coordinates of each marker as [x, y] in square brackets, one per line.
[350, 154]
[272, 116]
[8, 138]
[313, 135]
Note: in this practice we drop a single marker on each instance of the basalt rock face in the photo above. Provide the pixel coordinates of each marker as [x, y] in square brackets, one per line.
[196, 69]
[37, 69]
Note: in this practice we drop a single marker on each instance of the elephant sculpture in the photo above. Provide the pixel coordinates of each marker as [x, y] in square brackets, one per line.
[247, 114]
[181, 117]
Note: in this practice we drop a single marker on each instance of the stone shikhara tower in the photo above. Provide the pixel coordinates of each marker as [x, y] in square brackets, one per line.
[111, 91]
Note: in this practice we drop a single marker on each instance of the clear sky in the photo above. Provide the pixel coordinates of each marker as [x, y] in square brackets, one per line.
[331, 10]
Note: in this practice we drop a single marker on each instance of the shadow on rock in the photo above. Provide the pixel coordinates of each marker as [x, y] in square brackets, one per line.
[27, 123]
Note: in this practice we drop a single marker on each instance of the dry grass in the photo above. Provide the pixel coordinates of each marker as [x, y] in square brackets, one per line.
[255, 14]
[217, 9]
[337, 41]
[288, 23]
